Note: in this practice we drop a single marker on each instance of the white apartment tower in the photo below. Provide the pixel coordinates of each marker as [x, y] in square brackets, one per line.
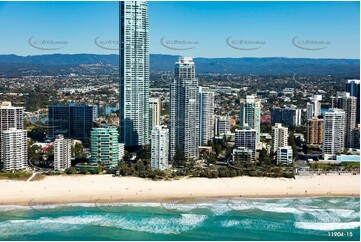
[333, 133]
[62, 153]
[159, 148]
[284, 155]
[10, 117]
[134, 73]
[15, 149]
[279, 136]
[184, 110]
[206, 113]
[222, 125]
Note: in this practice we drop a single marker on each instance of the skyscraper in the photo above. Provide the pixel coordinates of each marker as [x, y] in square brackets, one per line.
[333, 133]
[222, 125]
[104, 147]
[347, 103]
[10, 117]
[62, 153]
[353, 87]
[15, 149]
[184, 110]
[206, 112]
[279, 137]
[250, 114]
[159, 148]
[154, 112]
[134, 73]
[314, 109]
[72, 121]
[315, 131]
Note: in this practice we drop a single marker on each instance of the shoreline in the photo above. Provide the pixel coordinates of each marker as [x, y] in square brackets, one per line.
[95, 189]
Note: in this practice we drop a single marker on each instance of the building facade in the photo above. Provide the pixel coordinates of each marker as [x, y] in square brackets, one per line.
[72, 121]
[284, 155]
[62, 153]
[246, 138]
[10, 117]
[353, 87]
[279, 137]
[15, 149]
[206, 113]
[222, 125]
[154, 112]
[347, 103]
[333, 133]
[315, 131]
[289, 117]
[250, 114]
[104, 147]
[184, 110]
[160, 148]
[134, 73]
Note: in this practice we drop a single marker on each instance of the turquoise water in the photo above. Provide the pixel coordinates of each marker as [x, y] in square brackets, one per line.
[219, 219]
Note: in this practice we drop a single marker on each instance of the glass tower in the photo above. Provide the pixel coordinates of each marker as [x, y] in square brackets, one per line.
[134, 73]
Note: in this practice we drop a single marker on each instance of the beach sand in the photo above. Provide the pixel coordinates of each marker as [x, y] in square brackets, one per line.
[105, 188]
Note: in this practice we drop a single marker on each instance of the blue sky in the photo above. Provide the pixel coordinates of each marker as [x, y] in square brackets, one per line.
[253, 29]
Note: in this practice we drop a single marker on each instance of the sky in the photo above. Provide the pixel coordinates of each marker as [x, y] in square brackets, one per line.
[197, 29]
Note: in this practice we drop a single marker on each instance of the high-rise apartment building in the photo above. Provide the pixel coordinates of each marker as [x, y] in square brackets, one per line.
[10, 117]
[104, 147]
[134, 73]
[184, 110]
[314, 108]
[72, 121]
[15, 149]
[333, 133]
[279, 137]
[62, 153]
[206, 115]
[347, 103]
[222, 125]
[284, 155]
[159, 148]
[250, 114]
[353, 87]
[246, 138]
[315, 131]
[154, 112]
[289, 117]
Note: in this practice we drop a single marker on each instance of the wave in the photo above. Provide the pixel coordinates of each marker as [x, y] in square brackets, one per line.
[326, 226]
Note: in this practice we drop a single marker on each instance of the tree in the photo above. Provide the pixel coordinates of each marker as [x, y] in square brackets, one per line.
[77, 151]
[70, 170]
[292, 143]
[264, 157]
[84, 171]
[179, 158]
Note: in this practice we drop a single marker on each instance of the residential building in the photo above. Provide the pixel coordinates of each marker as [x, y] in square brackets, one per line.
[184, 110]
[246, 138]
[333, 133]
[62, 153]
[15, 149]
[353, 87]
[279, 137]
[206, 115]
[134, 73]
[289, 117]
[250, 114]
[241, 155]
[160, 148]
[10, 117]
[222, 125]
[72, 121]
[347, 103]
[154, 112]
[284, 155]
[315, 131]
[104, 147]
[121, 151]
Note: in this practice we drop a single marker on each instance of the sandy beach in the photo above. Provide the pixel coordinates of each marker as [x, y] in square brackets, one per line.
[105, 188]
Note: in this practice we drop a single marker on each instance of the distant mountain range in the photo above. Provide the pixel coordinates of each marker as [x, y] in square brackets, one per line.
[159, 63]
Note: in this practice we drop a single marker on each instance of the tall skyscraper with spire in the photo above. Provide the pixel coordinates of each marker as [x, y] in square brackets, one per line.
[134, 73]
[184, 110]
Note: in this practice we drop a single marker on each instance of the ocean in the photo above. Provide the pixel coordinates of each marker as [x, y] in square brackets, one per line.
[334, 218]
